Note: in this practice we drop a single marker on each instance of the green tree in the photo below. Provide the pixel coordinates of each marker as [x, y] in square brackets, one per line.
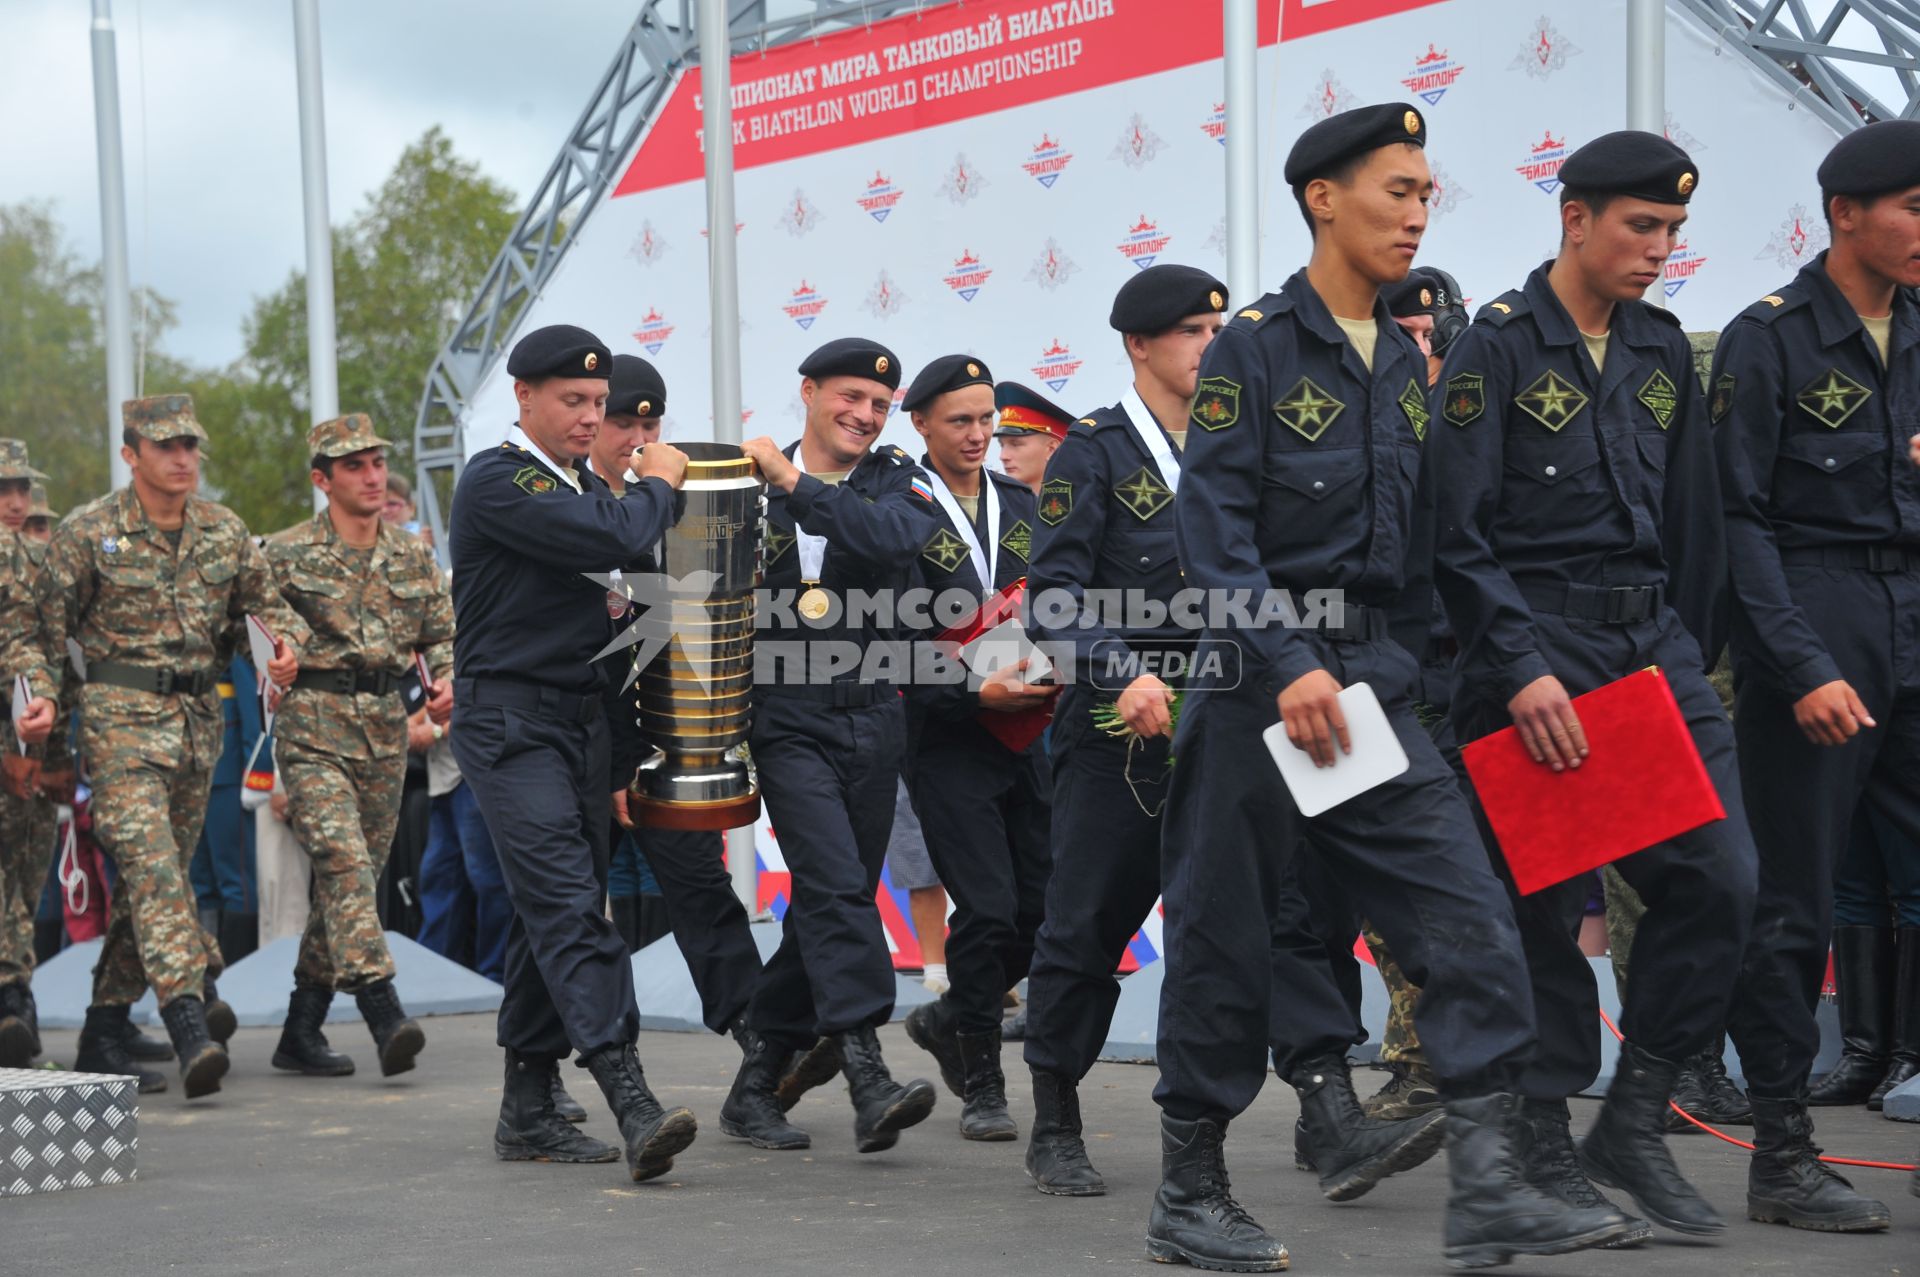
[404, 268]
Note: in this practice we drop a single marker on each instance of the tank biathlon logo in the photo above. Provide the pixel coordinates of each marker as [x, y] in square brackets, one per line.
[1328, 99]
[1052, 268]
[1682, 266]
[1215, 125]
[1543, 163]
[805, 305]
[1048, 160]
[880, 197]
[653, 332]
[1143, 243]
[963, 181]
[1544, 51]
[1432, 75]
[1057, 366]
[1800, 237]
[647, 247]
[799, 216]
[968, 275]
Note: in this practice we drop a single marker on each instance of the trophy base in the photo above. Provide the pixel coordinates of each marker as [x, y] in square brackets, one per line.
[726, 813]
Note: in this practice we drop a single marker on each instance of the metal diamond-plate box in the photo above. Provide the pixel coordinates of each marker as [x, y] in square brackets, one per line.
[65, 1130]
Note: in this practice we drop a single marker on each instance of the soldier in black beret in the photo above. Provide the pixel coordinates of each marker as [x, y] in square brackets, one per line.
[1429, 305]
[982, 802]
[1106, 523]
[530, 519]
[844, 518]
[1580, 541]
[1823, 535]
[1310, 431]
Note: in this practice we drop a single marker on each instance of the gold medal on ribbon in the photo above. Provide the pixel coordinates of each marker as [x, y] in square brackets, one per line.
[814, 603]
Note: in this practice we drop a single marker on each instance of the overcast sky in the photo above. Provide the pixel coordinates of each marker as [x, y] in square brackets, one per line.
[212, 144]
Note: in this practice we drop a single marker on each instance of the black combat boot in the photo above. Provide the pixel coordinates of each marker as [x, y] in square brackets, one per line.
[103, 1050]
[203, 1062]
[753, 1112]
[882, 1108]
[932, 1026]
[1863, 977]
[1904, 1056]
[1056, 1153]
[983, 1114]
[1195, 1219]
[1627, 1147]
[1493, 1214]
[1351, 1151]
[1302, 1146]
[221, 1022]
[17, 1047]
[1721, 1102]
[141, 1047]
[1544, 1141]
[1787, 1183]
[529, 1130]
[569, 1109]
[653, 1134]
[398, 1038]
[303, 1048]
[816, 1066]
[1410, 1092]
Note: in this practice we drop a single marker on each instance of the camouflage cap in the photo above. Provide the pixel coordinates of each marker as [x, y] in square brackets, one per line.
[342, 435]
[162, 417]
[13, 461]
[37, 507]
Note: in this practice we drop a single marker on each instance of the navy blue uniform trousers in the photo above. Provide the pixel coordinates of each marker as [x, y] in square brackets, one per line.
[540, 773]
[828, 776]
[709, 923]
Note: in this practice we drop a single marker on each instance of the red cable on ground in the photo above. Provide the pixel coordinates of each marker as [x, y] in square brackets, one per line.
[1834, 1161]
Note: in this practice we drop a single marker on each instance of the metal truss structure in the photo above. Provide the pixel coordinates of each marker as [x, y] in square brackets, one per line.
[661, 41]
[1815, 50]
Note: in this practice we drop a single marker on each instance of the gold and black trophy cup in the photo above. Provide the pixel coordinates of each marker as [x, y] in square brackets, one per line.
[696, 695]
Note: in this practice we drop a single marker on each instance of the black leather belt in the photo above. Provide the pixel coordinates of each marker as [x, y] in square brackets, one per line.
[528, 698]
[841, 695]
[143, 678]
[1865, 558]
[1363, 622]
[1615, 605]
[347, 682]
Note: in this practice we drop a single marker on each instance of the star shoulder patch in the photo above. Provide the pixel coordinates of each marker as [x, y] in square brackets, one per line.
[1216, 405]
[776, 543]
[534, 480]
[1660, 397]
[1018, 540]
[1832, 397]
[1143, 494]
[1413, 402]
[1056, 501]
[945, 551]
[1551, 400]
[1308, 410]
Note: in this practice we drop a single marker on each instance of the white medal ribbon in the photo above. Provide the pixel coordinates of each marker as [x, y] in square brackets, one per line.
[985, 562]
[1147, 430]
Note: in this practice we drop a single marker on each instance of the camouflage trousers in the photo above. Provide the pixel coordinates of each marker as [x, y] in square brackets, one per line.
[27, 829]
[343, 811]
[1624, 911]
[151, 782]
[1401, 1043]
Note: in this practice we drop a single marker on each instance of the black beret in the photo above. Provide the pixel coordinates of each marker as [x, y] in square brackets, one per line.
[1337, 139]
[949, 372]
[1874, 160]
[559, 350]
[1641, 165]
[636, 388]
[1420, 293]
[1161, 296]
[853, 357]
[1027, 412]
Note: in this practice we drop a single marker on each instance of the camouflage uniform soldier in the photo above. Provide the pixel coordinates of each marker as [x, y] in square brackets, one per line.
[22, 652]
[1412, 1090]
[155, 584]
[372, 596]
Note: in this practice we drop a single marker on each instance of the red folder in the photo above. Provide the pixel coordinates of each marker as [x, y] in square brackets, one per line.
[1015, 731]
[1641, 783]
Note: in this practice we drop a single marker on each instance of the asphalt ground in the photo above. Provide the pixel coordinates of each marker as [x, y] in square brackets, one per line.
[283, 1174]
